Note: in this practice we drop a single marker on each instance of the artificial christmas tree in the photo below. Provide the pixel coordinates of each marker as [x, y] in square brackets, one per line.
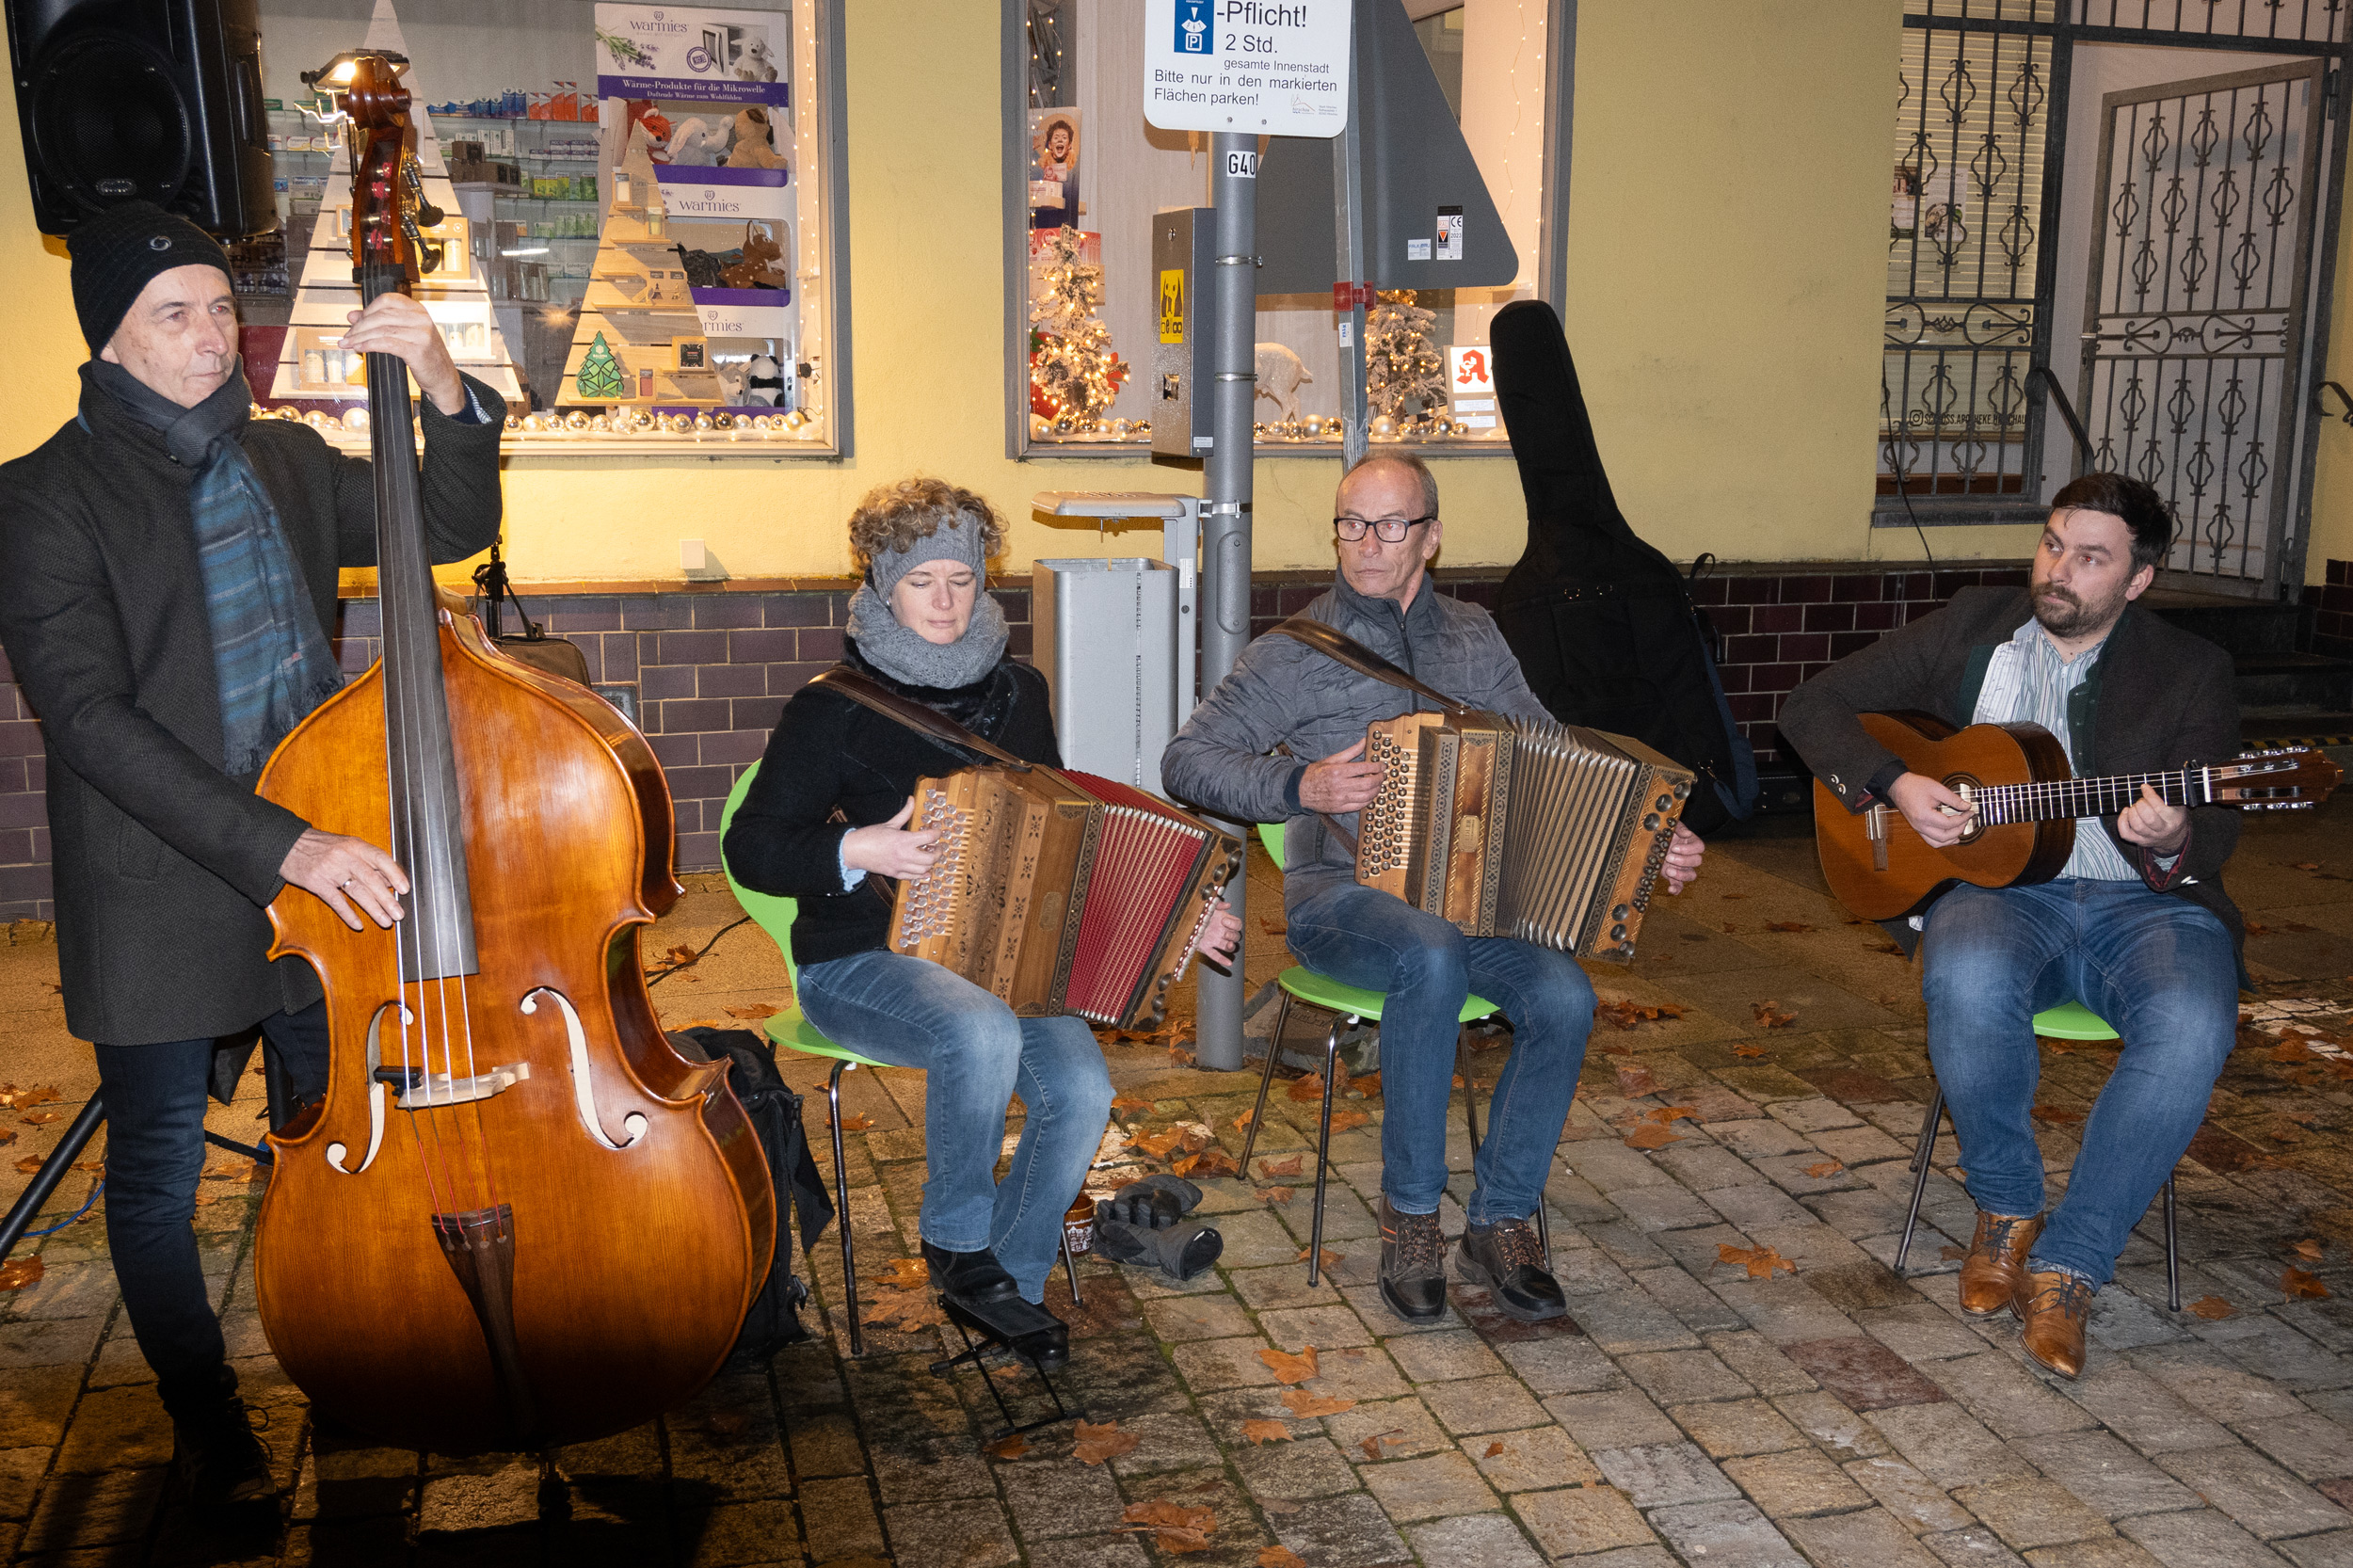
[1074, 373]
[1404, 373]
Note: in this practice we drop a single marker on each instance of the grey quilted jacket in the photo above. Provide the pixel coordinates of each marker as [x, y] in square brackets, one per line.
[1284, 693]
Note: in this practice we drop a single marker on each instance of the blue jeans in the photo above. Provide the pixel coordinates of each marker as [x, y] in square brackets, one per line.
[2156, 966]
[1364, 936]
[155, 1100]
[976, 1056]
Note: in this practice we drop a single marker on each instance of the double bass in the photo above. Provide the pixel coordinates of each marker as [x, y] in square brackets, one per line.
[518, 1217]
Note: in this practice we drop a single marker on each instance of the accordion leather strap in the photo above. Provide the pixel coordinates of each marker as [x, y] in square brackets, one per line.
[922, 720]
[1338, 645]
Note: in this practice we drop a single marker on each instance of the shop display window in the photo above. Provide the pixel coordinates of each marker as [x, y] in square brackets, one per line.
[640, 250]
[1085, 175]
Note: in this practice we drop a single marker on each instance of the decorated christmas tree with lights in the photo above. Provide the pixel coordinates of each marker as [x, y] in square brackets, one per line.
[1074, 373]
[1404, 373]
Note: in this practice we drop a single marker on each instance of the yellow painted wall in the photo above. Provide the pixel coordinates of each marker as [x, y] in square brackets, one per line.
[1725, 272]
[2332, 469]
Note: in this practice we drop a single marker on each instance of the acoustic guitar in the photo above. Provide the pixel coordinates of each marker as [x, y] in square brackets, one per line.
[2027, 801]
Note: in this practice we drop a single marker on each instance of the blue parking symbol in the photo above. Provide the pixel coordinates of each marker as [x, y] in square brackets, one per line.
[1192, 26]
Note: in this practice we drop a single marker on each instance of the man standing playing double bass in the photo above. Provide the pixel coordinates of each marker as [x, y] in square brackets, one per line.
[2136, 926]
[167, 577]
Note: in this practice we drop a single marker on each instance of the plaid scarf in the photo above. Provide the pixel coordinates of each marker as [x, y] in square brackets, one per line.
[271, 654]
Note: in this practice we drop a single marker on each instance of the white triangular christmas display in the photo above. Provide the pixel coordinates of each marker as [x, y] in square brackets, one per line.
[457, 296]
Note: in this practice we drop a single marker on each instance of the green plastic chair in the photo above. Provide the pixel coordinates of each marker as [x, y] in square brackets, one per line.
[2069, 1020]
[790, 1029]
[1351, 1005]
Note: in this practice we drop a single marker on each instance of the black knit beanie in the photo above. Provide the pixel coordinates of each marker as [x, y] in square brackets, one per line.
[119, 251]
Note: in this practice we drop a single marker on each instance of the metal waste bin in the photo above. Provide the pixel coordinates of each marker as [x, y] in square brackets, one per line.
[1105, 637]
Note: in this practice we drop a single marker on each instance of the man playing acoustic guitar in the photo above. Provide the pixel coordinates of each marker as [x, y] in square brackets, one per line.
[2136, 926]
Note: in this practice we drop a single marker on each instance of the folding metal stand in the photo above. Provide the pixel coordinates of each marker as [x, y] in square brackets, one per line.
[976, 1354]
[77, 1137]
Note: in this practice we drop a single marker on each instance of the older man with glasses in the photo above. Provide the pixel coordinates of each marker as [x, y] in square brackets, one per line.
[1239, 756]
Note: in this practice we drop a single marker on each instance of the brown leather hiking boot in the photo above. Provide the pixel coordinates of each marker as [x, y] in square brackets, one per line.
[2052, 1307]
[1413, 1272]
[1996, 1261]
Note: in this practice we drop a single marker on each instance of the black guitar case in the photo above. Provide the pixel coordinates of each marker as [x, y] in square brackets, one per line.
[1603, 623]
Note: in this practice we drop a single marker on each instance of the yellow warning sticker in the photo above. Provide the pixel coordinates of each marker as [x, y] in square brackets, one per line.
[1173, 305]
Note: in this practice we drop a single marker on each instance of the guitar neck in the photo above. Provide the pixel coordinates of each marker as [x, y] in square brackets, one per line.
[2043, 801]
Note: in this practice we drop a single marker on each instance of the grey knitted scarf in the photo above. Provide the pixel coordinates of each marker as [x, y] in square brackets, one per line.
[904, 654]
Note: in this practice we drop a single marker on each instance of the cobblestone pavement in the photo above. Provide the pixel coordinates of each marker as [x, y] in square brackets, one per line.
[1799, 1404]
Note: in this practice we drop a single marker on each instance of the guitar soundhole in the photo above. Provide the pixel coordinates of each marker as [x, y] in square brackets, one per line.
[1966, 786]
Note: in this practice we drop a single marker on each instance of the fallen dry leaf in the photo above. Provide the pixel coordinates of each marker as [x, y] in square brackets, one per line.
[244, 1170]
[753, 1012]
[30, 1164]
[1290, 1367]
[1627, 1014]
[2302, 1283]
[2289, 1050]
[1882, 944]
[8, 1135]
[1242, 1122]
[1275, 1195]
[1331, 1259]
[1182, 1057]
[1759, 1261]
[1097, 1444]
[1012, 1447]
[19, 1272]
[1306, 1091]
[857, 1124]
[1267, 1431]
[1748, 1053]
[1951, 1254]
[1769, 1015]
[1176, 1527]
[1280, 1557]
[904, 1310]
[1372, 1445]
[1493, 1449]
[41, 1118]
[1209, 1162]
[1131, 1102]
[2058, 1115]
[1308, 1406]
[1367, 1087]
[1281, 1167]
[1788, 925]
[2311, 1251]
[1349, 1116]
[2305, 866]
[1666, 1115]
[907, 1274]
[2256, 928]
[1274, 927]
[1651, 1135]
[13, 1098]
[1635, 1079]
[1824, 1168]
[2211, 1308]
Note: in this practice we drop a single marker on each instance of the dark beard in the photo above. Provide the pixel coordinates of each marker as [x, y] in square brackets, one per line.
[2063, 614]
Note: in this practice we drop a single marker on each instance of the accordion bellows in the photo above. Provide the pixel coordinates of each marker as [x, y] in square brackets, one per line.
[1061, 892]
[1507, 827]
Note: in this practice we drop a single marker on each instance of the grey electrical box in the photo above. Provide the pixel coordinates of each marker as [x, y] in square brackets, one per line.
[1181, 358]
[1106, 642]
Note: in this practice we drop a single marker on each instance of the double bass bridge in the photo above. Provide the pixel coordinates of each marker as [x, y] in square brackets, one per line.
[425, 1091]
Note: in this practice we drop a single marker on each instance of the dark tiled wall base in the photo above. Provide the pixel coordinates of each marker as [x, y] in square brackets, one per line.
[2332, 611]
[713, 670]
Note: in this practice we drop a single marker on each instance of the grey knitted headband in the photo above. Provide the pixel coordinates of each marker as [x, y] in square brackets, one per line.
[957, 538]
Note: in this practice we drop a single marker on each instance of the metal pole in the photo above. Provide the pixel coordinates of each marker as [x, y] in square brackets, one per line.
[1348, 202]
[1233, 323]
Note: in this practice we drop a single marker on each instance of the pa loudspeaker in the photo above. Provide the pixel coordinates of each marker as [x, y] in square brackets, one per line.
[143, 99]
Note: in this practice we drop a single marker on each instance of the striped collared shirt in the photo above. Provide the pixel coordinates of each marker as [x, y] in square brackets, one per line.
[2028, 682]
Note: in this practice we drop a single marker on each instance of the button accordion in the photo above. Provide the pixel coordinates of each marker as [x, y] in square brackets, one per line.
[1061, 892]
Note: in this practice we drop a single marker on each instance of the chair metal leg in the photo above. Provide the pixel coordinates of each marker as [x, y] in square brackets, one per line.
[1921, 1163]
[841, 1205]
[1274, 1051]
[2172, 1250]
[1470, 1094]
[1323, 1146]
[1071, 1270]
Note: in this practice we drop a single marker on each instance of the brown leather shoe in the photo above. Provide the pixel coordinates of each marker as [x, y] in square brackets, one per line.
[1996, 1261]
[2052, 1308]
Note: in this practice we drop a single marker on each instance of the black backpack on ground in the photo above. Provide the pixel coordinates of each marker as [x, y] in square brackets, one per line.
[1602, 622]
[774, 1110]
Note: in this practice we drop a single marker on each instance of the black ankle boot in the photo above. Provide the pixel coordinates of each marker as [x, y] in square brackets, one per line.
[978, 1293]
[223, 1463]
[1413, 1272]
[1509, 1258]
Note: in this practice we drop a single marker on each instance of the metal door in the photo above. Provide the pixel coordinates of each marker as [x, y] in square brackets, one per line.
[2194, 338]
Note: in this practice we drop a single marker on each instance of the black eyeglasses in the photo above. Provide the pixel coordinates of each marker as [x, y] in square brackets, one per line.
[1387, 529]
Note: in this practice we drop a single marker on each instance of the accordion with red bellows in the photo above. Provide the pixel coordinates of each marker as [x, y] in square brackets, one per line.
[1061, 892]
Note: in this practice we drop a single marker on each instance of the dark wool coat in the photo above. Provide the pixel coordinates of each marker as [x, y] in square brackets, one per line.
[2160, 698]
[829, 752]
[164, 864]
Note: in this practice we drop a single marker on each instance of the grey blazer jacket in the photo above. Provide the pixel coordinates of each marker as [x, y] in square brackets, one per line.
[163, 863]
